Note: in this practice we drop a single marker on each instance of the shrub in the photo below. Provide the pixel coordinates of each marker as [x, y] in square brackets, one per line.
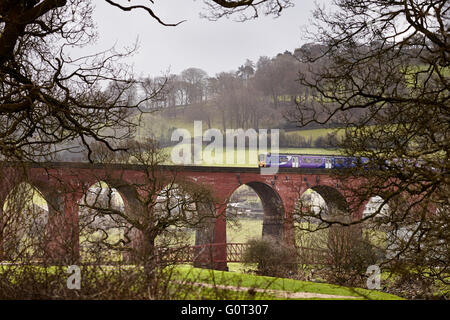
[349, 256]
[272, 257]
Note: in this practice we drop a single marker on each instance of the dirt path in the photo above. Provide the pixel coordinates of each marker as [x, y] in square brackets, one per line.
[279, 293]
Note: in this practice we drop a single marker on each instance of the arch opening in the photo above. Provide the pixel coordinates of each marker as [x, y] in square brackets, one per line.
[375, 206]
[25, 219]
[336, 204]
[313, 201]
[245, 215]
[322, 204]
[177, 211]
[317, 209]
[102, 227]
[375, 229]
[254, 210]
[310, 205]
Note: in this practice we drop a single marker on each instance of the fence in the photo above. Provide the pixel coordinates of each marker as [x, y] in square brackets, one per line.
[213, 252]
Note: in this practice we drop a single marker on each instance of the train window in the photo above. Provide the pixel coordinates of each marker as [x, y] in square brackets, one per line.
[312, 160]
[340, 161]
[284, 159]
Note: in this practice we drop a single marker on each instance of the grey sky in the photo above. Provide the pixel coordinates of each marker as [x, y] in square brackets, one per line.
[212, 46]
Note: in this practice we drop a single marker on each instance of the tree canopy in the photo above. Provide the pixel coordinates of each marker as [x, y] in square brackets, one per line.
[381, 71]
[52, 100]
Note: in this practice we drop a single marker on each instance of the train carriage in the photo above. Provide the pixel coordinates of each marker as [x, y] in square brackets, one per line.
[308, 161]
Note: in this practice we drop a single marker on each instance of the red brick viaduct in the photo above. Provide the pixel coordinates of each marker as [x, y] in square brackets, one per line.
[60, 185]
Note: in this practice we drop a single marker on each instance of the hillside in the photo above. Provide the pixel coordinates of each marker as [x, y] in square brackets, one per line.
[306, 141]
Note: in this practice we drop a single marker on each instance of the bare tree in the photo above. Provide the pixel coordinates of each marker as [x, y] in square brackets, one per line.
[380, 71]
[245, 9]
[194, 80]
[23, 234]
[239, 102]
[247, 70]
[163, 210]
[276, 78]
[216, 9]
[51, 99]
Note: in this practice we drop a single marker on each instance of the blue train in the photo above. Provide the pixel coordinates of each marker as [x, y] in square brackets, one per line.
[309, 161]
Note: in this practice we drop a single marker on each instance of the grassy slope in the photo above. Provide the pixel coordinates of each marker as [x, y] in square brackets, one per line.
[158, 125]
[183, 276]
[271, 283]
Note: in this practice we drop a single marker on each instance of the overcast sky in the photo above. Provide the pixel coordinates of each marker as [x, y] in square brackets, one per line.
[213, 46]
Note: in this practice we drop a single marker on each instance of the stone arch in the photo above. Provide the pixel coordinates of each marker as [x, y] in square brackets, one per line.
[215, 231]
[273, 209]
[336, 203]
[244, 215]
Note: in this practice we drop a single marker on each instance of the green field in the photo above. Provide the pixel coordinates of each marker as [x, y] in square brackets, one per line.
[268, 284]
[185, 282]
[244, 229]
[160, 127]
